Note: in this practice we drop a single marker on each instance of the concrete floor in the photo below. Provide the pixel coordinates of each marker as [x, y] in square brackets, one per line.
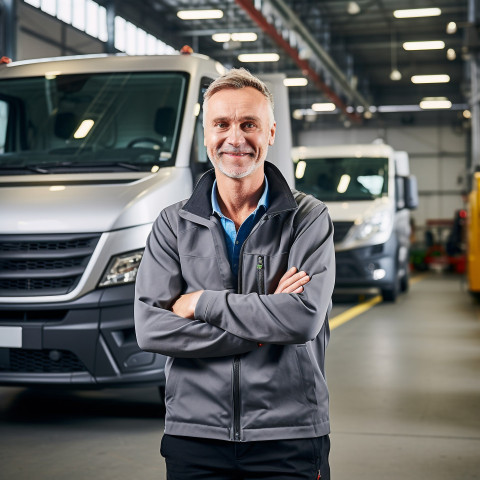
[405, 403]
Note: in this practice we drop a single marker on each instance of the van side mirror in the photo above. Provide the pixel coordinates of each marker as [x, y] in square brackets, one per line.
[411, 192]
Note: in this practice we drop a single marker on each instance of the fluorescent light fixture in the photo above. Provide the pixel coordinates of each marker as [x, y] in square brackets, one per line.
[430, 78]
[417, 12]
[196, 109]
[451, 54]
[295, 82]
[221, 37]
[259, 57]
[323, 107]
[57, 188]
[244, 37]
[300, 170]
[435, 102]
[83, 129]
[430, 45]
[234, 37]
[451, 28]
[343, 183]
[199, 14]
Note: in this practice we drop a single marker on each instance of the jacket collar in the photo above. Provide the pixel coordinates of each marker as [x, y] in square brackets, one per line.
[280, 195]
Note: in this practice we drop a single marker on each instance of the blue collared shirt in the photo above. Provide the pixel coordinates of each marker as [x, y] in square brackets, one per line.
[233, 239]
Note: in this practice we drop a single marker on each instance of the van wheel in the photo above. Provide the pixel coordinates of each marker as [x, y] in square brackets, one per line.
[161, 393]
[405, 282]
[390, 293]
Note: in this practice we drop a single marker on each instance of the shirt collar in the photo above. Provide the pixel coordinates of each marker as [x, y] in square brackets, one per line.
[263, 202]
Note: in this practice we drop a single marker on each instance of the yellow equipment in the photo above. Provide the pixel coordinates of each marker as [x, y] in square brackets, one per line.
[473, 236]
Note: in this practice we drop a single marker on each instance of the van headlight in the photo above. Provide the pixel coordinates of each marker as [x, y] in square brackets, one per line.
[122, 269]
[378, 224]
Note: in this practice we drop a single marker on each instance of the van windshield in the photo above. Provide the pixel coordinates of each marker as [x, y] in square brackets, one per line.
[90, 122]
[343, 179]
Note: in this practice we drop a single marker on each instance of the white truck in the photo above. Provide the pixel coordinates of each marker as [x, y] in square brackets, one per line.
[369, 191]
[91, 150]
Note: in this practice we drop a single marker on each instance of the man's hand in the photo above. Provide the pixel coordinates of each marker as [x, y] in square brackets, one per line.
[292, 281]
[185, 305]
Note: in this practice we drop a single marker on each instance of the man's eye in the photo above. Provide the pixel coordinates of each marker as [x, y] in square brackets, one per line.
[249, 125]
[221, 125]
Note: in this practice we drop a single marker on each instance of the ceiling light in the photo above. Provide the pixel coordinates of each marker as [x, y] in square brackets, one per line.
[353, 8]
[343, 183]
[259, 57]
[221, 37]
[431, 45]
[435, 102]
[430, 78]
[417, 12]
[83, 129]
[395, 75]
[323, 107]
[467, 114]
[451, 54]
[300, 170]
[199, 14]
[244, 37]
[295, 82]
[451, 28]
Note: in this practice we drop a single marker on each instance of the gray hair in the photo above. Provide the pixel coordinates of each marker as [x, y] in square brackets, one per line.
[238, 78]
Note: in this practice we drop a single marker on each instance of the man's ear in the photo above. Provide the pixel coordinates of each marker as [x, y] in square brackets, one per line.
[271, 140]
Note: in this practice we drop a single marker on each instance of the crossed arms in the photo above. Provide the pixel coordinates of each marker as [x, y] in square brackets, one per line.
[212, 323]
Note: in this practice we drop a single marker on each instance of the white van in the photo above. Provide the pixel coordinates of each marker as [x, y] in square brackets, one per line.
[368, 190]
[91, 150]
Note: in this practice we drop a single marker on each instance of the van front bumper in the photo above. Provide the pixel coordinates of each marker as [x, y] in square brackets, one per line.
[366, 267]
[88, 342]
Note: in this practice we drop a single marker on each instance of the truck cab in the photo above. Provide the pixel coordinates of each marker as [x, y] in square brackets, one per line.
[369, 192]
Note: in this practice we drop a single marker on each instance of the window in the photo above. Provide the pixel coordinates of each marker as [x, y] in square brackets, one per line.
[91, 18]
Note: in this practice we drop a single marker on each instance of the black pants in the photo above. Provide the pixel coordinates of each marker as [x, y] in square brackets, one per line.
[189, 458]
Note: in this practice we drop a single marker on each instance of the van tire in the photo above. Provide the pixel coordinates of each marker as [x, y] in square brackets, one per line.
[405, 282]
[161, 393]
[390, 293]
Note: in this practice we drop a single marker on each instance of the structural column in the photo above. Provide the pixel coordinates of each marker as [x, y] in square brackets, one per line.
[8, 28]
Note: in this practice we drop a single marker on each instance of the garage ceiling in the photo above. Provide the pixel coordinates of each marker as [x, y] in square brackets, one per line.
[347, 57]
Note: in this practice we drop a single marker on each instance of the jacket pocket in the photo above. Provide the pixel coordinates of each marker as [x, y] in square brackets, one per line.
[171, 380]
[306, 373]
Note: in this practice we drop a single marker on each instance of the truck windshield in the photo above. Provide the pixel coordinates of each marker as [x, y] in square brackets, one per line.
[90, 122]
[343, 179]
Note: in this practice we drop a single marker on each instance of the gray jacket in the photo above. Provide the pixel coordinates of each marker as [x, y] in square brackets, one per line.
[251, 365]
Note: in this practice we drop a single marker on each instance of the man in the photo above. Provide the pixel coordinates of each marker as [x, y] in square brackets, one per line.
[235, 287]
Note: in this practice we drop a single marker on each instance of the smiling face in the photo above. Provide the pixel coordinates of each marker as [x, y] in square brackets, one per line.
[239, 127]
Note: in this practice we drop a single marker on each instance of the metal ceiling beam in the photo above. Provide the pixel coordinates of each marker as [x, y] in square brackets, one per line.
[290, 18]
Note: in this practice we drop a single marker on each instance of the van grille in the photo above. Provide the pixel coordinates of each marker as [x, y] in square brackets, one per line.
[42, 361]
[34, 265]
[340, 230]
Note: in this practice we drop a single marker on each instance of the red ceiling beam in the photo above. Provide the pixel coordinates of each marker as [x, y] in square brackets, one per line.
[269, 29]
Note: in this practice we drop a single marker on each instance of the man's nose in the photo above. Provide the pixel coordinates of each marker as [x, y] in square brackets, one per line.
[235, 136]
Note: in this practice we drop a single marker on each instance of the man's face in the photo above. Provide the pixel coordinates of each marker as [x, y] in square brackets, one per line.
[238, 131]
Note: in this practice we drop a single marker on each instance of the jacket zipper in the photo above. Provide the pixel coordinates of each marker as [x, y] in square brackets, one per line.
[236, 358]
[260, 275]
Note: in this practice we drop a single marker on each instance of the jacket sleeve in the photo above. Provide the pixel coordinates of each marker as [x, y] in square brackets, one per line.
[159, 283]
[283, 318]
